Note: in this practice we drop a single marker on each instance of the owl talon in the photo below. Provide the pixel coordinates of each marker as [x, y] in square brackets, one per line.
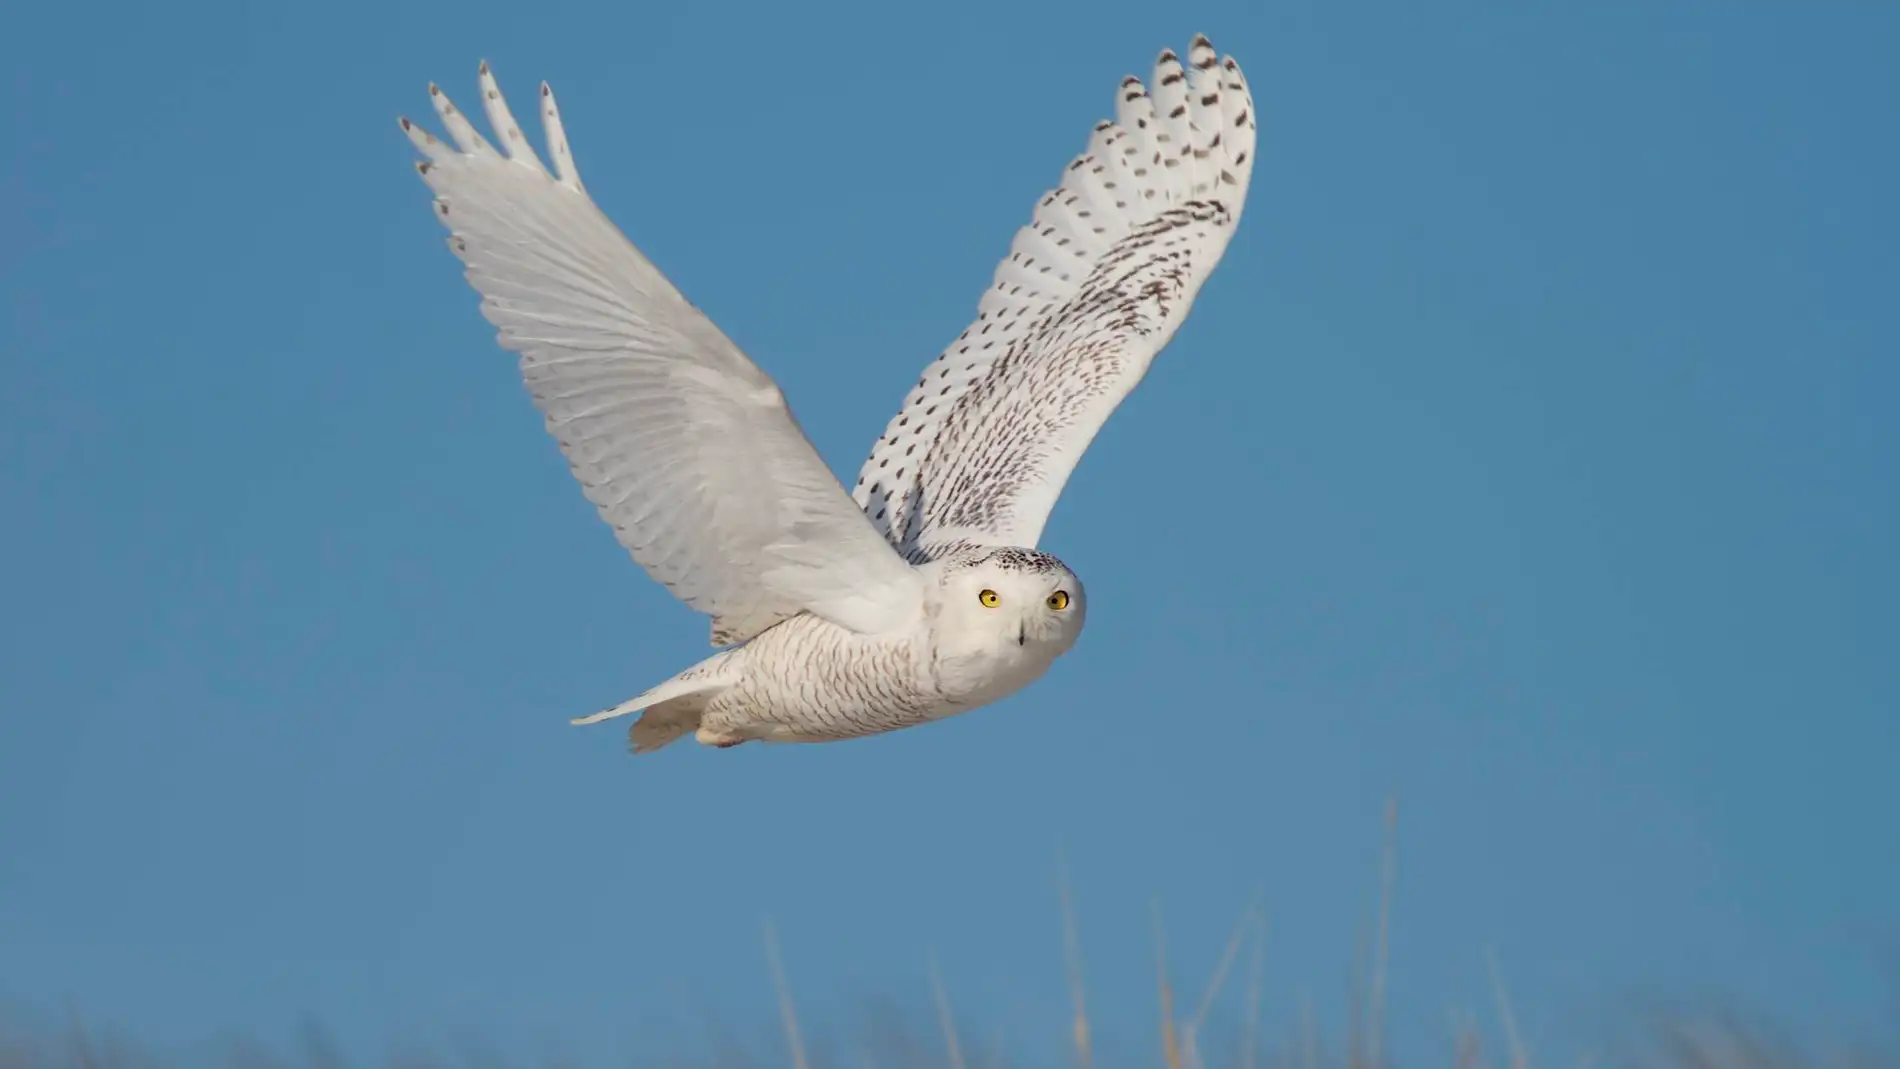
[718, 740]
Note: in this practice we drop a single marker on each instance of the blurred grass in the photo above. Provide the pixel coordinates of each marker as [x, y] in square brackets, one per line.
[1657, 1037]
[1660, 1038]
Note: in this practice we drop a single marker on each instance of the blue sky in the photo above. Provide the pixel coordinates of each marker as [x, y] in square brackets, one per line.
[1530, 456]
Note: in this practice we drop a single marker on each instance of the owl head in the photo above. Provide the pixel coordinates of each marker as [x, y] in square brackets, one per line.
[1005, 610]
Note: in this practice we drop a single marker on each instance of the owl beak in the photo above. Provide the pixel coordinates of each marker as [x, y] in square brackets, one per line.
[1022, 633]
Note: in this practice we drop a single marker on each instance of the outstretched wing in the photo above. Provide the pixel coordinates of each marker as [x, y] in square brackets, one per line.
[1092, 289]
[684, 445]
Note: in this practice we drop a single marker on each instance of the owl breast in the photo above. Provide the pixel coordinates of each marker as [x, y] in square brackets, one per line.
[973, 676]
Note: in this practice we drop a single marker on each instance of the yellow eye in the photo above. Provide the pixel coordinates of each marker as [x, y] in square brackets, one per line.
[1059, 600]
[990, 599]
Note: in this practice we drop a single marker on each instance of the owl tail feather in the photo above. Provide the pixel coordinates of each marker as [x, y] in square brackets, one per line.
[673, 709]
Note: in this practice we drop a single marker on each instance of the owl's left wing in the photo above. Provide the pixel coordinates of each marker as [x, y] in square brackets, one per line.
[1093, 288]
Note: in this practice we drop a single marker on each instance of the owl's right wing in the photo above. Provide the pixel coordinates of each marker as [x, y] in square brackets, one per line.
[686, 447]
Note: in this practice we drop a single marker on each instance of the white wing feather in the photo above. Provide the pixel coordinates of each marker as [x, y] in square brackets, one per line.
[1093, 288]
[684, 445]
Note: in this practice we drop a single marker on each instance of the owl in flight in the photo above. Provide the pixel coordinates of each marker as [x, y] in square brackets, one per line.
[920, 593]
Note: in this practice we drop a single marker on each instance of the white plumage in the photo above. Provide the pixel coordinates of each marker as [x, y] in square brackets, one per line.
[919, 594]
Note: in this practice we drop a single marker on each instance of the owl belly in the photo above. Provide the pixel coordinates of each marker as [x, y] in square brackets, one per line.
[808, 680]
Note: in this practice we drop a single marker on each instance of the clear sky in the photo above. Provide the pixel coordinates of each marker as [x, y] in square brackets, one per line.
[1531, 455]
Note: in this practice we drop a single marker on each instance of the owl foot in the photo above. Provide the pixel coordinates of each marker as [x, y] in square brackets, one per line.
[718, 740]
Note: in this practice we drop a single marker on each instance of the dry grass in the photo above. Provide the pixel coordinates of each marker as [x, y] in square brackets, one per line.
[1673, 1038]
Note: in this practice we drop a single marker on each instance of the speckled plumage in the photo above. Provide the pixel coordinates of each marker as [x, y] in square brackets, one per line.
[918, 595]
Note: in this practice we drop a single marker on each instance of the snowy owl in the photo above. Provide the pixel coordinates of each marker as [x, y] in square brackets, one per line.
[919, 594]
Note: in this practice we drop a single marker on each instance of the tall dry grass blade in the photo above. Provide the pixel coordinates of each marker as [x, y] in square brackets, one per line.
[1192, 1034]
[1169, 1047]
[1516, 1045]
[1467, 1050]
[943, 1016]
[1309, 1033]
[1072, 960]
[786, 1013]
[1375, 1010]
[1251, 1027]
[1356, 999]
[1219, 979]
[82, 1050]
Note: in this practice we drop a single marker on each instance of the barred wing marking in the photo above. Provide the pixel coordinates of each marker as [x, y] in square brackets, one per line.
[1093, 288]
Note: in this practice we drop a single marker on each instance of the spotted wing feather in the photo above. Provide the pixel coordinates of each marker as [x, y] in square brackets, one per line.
[1093, 287]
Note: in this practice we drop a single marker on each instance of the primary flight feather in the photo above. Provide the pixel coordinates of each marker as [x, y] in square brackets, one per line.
[919, 594]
